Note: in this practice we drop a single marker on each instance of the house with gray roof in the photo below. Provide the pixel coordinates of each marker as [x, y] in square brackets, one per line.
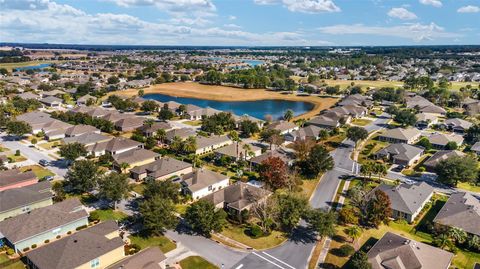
[440, 140]
[28, 96]
[202, 182]
[281, 153]
[128, 124]
[308, 132]
[357, 100]
[182, 133]
[210, 143]
[423, 105]
[283, 127]
[95, 247]
[439, 156]
[87, 139]
[36, 119]
[476, 148]
[45, 223]
[150, 258]
[327, 121]
[161, 169]
[82, 101]
[401, 135]
[134, 157]
[393, 251]
[236, 151]
[462, 210]
[151, 130]
[51, 101]
[407, 200]
[425, 120]
[400, 153]
[457, 125]
[22, 200]
[80, 129]
[14, 178]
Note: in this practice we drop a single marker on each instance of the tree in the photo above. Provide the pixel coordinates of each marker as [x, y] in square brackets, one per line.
[165, 114]
[348, 215]
[268, 135]
[158, 214]
[457, 234]
[359, 260]
[150, 142]
[473, 134]
[72, 151]
[113, 80]
[141, 93]
[273, 171]
[451, 145]
[425, 143]
[288, 116]
[161, 135]
[248, 128]
[218, 123]
[323, 134]
[406, 117]
[264, 210]
[59, 191]
[318, 161]
[355, 134]
[113, 187]
[354, 232]
[457, 169]
[443, 241]
[322, 221]
[302, 148]
[190, 145]
[203, 217]
[83, 176]
[291, 208]
[378, 209]
[166, 190]
[149, 106]
[18, 128]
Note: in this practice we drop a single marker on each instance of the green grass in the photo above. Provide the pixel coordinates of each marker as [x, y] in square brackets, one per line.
[469, 187]
[361, 122]
[196, 262]
[4, 260]
[138, 188]
[193, 122]
[11, 66]
[109, 214]
[371, 146]
[181, 208]
[237, 233]
[50, 145]
[145, 241]
[16, 159]
[39, 171]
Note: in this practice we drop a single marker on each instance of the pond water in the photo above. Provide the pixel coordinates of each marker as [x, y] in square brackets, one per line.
[258, 109]
[38, 66]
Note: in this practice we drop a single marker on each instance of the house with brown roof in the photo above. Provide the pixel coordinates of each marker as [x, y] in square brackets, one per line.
[116, 145]
[236, 151]
[129, 124]
[457, 125]
[36, 119]
[281, 153]
[202, 182]
[22, 200]
[462, 210]
[283, 127]
[14, 178]
[95, 247]
[425, 120]
[80, 129]
[401, 135]
[395, 251]
[308, 132]
[150, 258]
[440, 140]
[329, 122]
[161, 169]
[51, 102]
[182, 133]
[82, 101]
[423, 105]
[151, 130]
[439, 156]
[210, 143]
[134, 157]
[400, 153]
[45, 223]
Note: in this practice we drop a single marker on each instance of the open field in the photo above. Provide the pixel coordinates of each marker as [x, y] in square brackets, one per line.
[223, 93]
[381, 83]
[11, 66]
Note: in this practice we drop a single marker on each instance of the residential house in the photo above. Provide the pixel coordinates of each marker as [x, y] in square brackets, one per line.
[236, 151]
[134, 157]
[400, 153]
[119, 145]
[51, 102]
[401, 135]
[83, 101]
[55, 129]
[14, 178]
[18, 201]
[439, 156]
[151, 130]
[309, 132]
[46, 223]
[129, 124]
[89, 140]
[281, 153]
[347, 111]
[457, 125]
[150, 258]
[283, 127]
[36, 120]
[161, 169]
[406, 200]
[202, 182]
[473, 108]
[196, 113]
[476, 148]
[95, 247]
[182, 133]
[440, 140]
[324, 121]
[395, 251]
[28, 96]
[423, 105]
[81, 129]
[425, 120]
[462, 210]
[356, 100]
[208, 144]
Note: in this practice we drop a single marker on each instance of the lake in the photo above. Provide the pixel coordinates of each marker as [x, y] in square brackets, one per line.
[257, 109]
[32, 67]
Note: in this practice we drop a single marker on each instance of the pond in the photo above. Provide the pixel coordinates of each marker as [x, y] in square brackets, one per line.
[258, 109]
[32, 67]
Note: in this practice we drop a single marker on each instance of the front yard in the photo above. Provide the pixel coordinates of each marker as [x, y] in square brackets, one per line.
[145, 241]
[196, 262]
[6, 263]
[361, 122]
[469, 187]
[109, 214]
[39, 171]
[237, 233]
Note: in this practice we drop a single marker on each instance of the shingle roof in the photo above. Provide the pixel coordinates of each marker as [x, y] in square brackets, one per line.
[282, 125]
[236, 149]
[18, 197]
[42, 219]
[310, 131]
[80, 129]
[441, 155]
[145, 259]
[15, 176]
[78, 248]
[182, 133]
[407, 198]
[202, 178]
[400, 151]
[203, 141]
[161, 167]
[401, 133]
[458, 123]
[462, 210]
[443, 139]
[120, 143]
[87, 139]
[238, 196]
[134, 155]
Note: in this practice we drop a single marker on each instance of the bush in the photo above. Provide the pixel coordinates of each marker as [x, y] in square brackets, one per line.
[10, 251]
[26, 249]
[46, 241]
[34, 246]
[69, 232]
[81, 227]
[17, 152]
[255, 231]
[58, 236]
[94, 216]
[346, 250]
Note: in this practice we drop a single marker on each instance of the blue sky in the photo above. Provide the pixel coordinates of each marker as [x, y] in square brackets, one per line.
[241, 22]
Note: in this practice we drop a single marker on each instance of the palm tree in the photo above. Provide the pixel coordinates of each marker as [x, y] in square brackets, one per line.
[443, 242]
[161, 135]
[149, 122]
[234, 136]
[457, 234]
[301, 122]
[190, 144]
[124, 166]
[247, 149]
[177, 144]
[288, 116]
[354, 232]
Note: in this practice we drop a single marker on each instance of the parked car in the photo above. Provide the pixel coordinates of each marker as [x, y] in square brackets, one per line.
[43, 162]
[48, 178]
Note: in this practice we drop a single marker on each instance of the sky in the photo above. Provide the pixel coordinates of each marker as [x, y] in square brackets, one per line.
[242, 22]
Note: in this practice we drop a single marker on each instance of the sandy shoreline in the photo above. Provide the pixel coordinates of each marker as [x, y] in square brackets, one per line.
[223, 93]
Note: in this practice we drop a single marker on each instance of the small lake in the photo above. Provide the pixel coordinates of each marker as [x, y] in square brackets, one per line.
[32, 67]
[257, 109]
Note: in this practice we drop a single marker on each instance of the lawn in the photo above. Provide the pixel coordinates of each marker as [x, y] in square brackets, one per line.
[144, 241]
[237, 233]
[16, 159]
[181, 208]
[361, 122]
[138, 188]
[50, 145]
[11, 66]
[39, 171]
[308, 186]
[110, 214]
[196, 262]
[193, 122]
[371, 146]
[469, 187]
[5, 263]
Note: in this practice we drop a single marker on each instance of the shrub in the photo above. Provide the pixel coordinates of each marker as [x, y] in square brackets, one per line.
[69, 232]
[34, 141]
[58, 236]
[17, 152]
[346, 250]
[255, 231]
[26, 249]
[34, 246]
[94, 216]
[81, 227]
[10, 251]
[421, 169]
[46, 241]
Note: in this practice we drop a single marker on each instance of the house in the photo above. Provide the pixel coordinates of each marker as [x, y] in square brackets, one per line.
[87, 139]
[14, 178]
[77, 130]
[353, 111]
[161, 169]
[286, 156]
[134, 157]
[202, 182]
[51, 101]
[55, 129]
[462, 210]
[83, 101]
[423, 105]
[240, 119]
[36, 119]
[395, 251]
[324, 121]
[96, 247]
[472, 108]
[309, 132]
[283, 127]
[457, 125]
[28, 96]
[476, 148]
[119, 144]
[18, 201]
[45, 223]
[425, 120]
[182, 133]
[401, 135]
[129, 124]
[237, 197]
[406, 200]
[400, 153]
[208, 144]
[236, 151]
[439, 156]
[197, 113]
[357, 100]
[440, 141]
[151, 130]
[150, 258]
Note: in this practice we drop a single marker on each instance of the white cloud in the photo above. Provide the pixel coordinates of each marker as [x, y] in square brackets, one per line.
[415, 31]
[170, 5]
[435, 3]
[231, 17]
[304, 6]
[469, 9]
[232, 25]
[401, 13]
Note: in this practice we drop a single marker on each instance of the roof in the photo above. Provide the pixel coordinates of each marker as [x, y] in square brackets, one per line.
[130, 122]
[440, 156]
[80, 129]
[41, 220]
[397, 252]
[87, 139]
[325, 120]
[286, 156]
[400, 151]
[161, 167]
[310, 131]
[401, 133]
[28, 95]
[236, 149]
[424, 105]
[455, 122]
[35, 117]
[78, 248]
[407, 198]
[155, 127]
[134, 155]
[15, 176]
[239, 195]
[203, 142]
[18, 197]
[145, 259]
[182, 133]
[51, 100]
[281, 125]
[86, 97]
[202, 178]
[462, 210]
[443, 139]
[426, 117]
[476, 147]
[120, 143]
